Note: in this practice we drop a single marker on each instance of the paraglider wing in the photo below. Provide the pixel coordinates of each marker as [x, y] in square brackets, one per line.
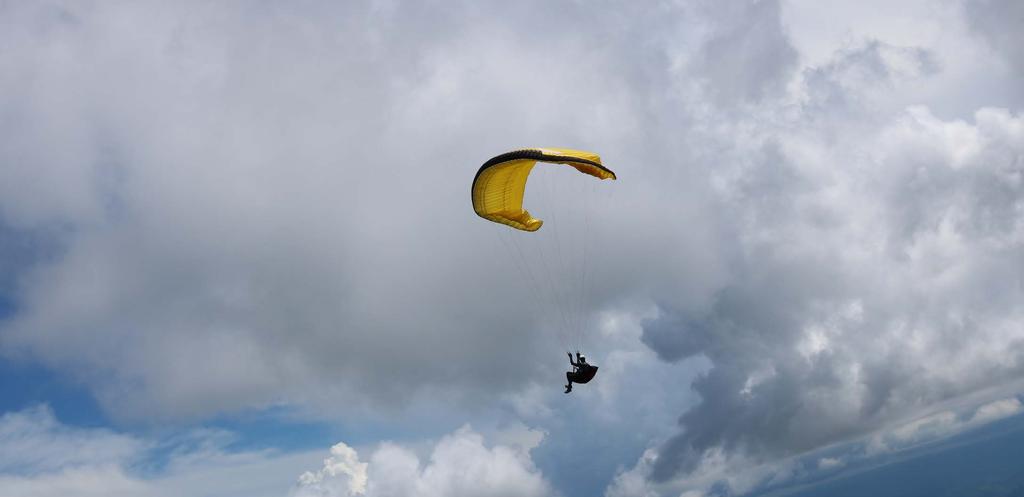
[500, 184]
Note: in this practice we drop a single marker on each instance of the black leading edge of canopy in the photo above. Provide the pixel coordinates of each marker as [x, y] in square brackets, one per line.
[532, 154]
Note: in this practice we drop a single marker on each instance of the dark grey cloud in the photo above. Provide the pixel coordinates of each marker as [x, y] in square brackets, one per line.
[262, 205]
[873, 271]
[270, 215]
[747, 56]
[1000, 23]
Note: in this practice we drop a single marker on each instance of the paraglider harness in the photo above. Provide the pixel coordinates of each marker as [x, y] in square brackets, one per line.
[582, 372]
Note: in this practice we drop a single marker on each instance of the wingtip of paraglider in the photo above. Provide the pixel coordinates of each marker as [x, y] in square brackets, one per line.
[523, 221]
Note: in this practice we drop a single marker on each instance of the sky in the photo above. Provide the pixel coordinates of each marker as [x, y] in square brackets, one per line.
[238, 255]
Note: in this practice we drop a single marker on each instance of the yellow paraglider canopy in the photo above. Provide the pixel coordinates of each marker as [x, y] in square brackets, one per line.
[500, 184]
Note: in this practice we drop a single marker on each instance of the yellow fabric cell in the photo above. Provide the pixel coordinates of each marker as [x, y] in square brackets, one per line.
[500, 184]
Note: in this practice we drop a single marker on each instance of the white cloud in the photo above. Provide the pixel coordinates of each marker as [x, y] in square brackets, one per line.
[239, 207]
[98, 481]
[829, 463]
[33, 441]
[744, 475]
[41, 457]
[996, 410]
[342, 474]
[249, 219]
[460, 464]
[875, 269]
[942, 424]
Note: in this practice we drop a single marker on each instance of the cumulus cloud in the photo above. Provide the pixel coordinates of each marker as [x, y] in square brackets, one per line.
[39, 456]
[342, 474]
[239, 211]
[876, 271]
[460, 464]
[270, 194]
[888, 289]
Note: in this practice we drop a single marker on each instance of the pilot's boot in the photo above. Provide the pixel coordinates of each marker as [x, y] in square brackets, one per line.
[568, 387]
